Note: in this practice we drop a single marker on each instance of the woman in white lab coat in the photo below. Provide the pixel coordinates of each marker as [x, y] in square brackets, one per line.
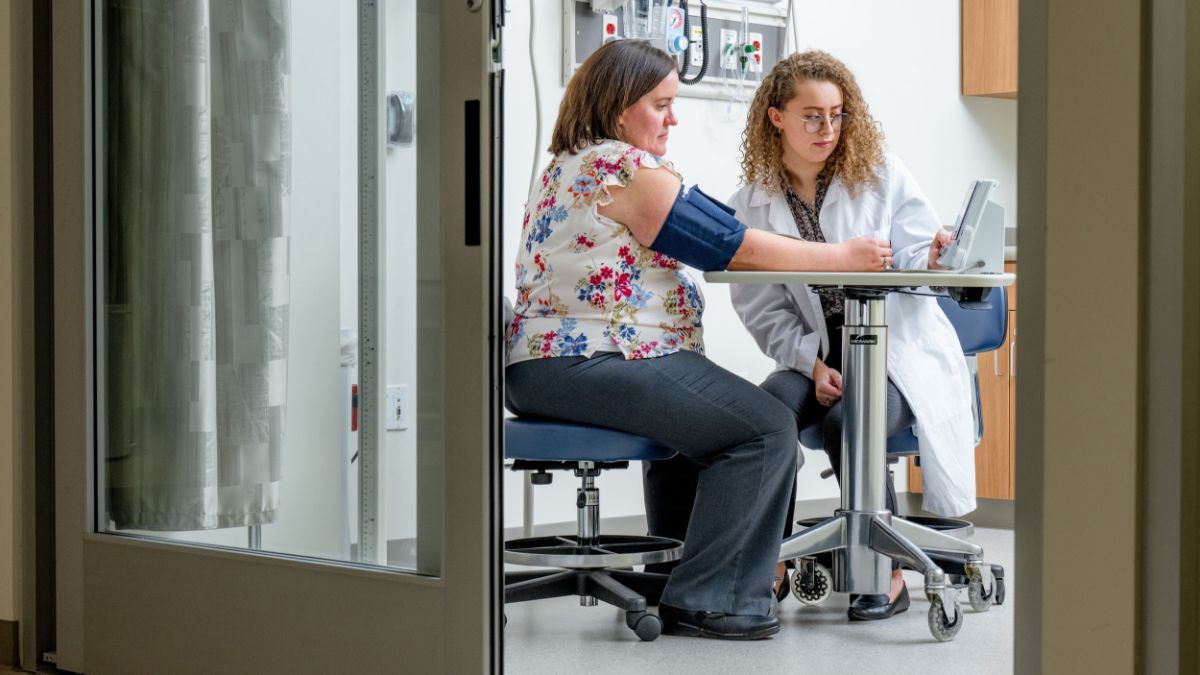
[814, 167]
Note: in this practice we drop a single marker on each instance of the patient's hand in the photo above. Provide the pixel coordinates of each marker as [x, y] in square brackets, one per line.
[828, 383]
[940, 241]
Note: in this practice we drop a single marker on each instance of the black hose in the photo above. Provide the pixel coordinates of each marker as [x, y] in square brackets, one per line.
[687, 30]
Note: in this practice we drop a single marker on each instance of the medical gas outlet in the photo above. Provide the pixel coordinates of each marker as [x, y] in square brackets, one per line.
[676, 41]
[722, 47]
[739, 56]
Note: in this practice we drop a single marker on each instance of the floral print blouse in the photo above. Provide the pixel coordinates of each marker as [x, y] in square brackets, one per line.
[584, 284]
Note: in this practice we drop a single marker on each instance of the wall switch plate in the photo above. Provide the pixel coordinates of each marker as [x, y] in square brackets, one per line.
[396, 415]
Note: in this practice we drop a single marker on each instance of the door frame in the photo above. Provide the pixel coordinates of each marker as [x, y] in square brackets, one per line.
[1106, 543]
[131, 605]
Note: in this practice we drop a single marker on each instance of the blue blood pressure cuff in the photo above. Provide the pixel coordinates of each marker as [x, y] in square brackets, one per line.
[700, 231]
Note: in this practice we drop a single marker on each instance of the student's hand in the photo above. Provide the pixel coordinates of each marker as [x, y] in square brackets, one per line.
[940, 241]
[828, 382]
[863, 254]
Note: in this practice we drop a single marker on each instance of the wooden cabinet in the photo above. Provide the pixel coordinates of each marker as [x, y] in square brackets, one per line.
[994, 470]
[989, 48]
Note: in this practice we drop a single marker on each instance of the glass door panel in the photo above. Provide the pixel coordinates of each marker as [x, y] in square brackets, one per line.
[250, 214]
[236, 248]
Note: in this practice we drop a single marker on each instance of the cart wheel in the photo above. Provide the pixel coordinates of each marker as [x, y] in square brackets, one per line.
[811, 583]
[942, 626]
[646, 625]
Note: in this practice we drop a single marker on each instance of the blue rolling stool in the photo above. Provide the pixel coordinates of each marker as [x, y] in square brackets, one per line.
[590, 565]
[982, 327]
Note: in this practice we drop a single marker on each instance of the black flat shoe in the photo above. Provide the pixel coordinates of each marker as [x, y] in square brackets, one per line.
[716, 624]
[785, 586]
[874, 607]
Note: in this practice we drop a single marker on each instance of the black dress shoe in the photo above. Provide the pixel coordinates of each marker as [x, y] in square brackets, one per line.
[716, 624]
[874, 607]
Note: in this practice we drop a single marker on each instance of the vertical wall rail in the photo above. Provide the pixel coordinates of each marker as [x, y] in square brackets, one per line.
[371, 250]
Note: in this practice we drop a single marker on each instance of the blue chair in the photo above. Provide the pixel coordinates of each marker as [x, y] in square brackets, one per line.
[590, 565]
[982, 327]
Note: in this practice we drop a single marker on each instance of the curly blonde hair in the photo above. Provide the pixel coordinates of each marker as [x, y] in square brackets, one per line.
[859, 151]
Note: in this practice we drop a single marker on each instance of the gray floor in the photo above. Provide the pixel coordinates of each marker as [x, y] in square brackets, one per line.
[557, 636]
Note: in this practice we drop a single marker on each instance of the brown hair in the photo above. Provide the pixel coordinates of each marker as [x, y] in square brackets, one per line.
[859, 151]
[613, 78]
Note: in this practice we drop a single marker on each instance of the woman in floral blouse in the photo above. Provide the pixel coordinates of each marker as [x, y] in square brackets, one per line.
[607, 331]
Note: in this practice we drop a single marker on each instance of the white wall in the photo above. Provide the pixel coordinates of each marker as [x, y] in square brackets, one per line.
[401, 360]
[906, 59]
[309, 521]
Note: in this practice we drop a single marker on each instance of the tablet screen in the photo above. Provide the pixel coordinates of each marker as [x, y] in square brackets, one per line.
[972, 198]
[966, 222]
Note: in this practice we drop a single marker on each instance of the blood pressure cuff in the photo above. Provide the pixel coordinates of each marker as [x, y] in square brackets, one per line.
[700, 231]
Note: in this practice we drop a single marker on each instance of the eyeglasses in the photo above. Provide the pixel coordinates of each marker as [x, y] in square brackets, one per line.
[814, 123]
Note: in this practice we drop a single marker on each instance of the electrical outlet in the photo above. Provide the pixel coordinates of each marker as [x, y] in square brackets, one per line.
[397, 414]
[696, 49]
[755, 64]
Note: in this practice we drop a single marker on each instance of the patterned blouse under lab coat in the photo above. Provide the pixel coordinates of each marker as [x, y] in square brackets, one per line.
[584, 284]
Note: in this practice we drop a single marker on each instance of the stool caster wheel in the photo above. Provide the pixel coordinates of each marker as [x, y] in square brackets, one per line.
[998, 575]
[980, 599]
[981, 586]
[941, 624]
[647, 626]
[811, 582]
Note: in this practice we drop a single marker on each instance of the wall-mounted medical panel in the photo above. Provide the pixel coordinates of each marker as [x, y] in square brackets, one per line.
[745, 40]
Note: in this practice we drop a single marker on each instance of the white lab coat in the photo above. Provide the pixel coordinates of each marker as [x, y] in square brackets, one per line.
[924, 358]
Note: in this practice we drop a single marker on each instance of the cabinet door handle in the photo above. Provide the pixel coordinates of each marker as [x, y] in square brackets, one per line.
[996, 362]
[1012, 355]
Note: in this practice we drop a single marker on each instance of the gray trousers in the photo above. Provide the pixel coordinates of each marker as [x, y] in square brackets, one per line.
[799, 393]
[725, 494]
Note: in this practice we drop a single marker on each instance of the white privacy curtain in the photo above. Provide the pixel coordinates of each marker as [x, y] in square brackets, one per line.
[195, 274]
